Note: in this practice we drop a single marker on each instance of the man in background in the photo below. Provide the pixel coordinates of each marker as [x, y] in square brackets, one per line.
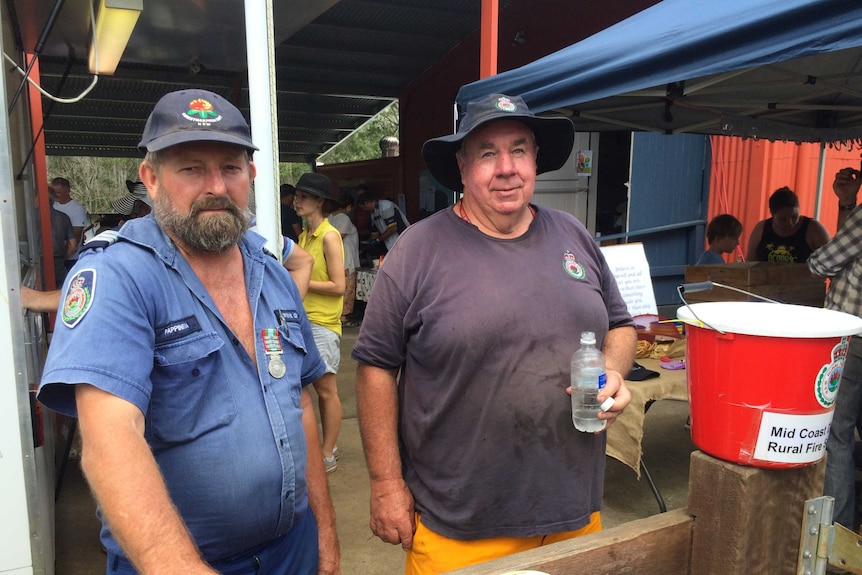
[291, 224]
[76, 212]
[387, 219]
[841, 260]
[63, 242]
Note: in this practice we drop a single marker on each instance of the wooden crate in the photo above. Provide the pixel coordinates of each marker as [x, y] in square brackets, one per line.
[787, 283]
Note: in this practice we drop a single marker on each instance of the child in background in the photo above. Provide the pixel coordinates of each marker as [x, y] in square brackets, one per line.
[722, 234]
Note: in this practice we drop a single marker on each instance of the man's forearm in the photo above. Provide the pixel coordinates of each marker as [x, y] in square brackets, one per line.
[71, 247]
[40, 301]
[299, 264]
[619, 348]
[129, 488]
[389, 231]
[377, 406]
[318, 490]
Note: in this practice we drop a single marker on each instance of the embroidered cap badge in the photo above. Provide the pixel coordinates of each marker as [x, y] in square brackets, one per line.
[505, 104]
[202, 112]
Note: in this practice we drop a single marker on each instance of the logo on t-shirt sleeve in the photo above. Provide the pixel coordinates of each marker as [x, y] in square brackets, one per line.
[79, 297]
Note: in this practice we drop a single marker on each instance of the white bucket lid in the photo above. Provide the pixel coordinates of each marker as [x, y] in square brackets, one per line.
[771, 319]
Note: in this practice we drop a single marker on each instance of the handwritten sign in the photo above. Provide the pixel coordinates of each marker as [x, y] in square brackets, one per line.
[630, 268]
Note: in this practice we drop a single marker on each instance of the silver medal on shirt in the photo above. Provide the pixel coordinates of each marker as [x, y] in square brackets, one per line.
[277, 369]
[272, 346]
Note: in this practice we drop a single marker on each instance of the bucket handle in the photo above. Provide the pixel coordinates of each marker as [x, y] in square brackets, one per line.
[706, 286]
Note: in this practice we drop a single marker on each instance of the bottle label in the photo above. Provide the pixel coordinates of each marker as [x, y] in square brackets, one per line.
[602, 380]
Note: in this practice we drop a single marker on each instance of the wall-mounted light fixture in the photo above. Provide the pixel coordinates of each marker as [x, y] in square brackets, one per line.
[115, 21]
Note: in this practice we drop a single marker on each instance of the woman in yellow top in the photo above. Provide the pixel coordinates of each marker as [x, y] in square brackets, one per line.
[323, 302]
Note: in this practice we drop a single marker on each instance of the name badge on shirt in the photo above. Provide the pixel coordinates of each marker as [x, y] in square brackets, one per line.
[177, 329]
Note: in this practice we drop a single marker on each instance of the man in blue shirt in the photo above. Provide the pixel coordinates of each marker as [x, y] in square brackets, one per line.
[185, 352]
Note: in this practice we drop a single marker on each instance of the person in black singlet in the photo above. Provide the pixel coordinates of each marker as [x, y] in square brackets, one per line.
[786, 237]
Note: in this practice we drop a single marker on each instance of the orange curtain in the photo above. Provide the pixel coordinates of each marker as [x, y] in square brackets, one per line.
[746, 172]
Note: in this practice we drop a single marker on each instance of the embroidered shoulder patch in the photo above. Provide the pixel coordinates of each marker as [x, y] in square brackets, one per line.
[79, 297]
[572, 267]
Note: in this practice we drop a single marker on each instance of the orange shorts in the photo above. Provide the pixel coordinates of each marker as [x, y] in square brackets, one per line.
[433, 553]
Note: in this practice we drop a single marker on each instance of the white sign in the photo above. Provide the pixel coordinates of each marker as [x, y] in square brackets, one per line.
[785, 438]
[630, 268]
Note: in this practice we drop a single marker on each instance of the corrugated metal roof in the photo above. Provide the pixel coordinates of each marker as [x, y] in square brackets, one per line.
[337, 64]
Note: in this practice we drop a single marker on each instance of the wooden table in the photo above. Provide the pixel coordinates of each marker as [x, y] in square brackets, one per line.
[626, 435]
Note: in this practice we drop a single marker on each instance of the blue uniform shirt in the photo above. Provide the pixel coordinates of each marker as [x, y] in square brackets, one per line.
[226, 434]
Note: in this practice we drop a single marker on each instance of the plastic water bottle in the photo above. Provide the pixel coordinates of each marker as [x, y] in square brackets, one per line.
[588, 377]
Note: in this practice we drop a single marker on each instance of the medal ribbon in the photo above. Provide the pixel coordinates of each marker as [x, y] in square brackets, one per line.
[271, 343]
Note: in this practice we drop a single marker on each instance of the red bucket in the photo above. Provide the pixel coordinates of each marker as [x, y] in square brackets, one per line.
[762, 379]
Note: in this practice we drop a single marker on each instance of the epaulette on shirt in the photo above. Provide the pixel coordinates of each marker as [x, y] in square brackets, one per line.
[101, 240]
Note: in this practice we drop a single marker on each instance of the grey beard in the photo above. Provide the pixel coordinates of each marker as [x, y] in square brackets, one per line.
[212, 234]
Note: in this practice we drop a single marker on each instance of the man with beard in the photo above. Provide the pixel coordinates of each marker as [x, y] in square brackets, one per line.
[185, 352]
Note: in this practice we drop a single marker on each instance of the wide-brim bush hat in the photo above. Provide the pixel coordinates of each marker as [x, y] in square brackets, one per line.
[125, 205]
[316, 185]
[555, 137]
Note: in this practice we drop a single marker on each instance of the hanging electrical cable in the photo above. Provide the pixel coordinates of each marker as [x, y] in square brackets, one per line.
[26, 73]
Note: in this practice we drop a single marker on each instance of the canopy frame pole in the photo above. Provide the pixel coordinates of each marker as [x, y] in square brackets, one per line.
[489, 39]
[818, 190]
[263, 108]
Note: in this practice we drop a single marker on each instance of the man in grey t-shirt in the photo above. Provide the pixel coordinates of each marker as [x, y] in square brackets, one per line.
[472, 454]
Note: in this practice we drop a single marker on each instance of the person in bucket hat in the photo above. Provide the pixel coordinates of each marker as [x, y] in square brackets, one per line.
[315, 200]
[554, 137]
[184, 350]
[137, 202]
[472, 454]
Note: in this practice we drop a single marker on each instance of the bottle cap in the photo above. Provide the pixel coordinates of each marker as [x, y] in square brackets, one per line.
[607, 404]
[588, 337]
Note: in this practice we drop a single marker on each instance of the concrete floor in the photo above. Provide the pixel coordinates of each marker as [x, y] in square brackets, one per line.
[667, 446]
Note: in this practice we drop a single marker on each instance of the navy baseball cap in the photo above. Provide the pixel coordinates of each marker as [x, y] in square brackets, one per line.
[555, 137]
[194, 116]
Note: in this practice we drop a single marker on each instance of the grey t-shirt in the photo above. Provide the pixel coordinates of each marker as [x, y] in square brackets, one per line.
[484, 330]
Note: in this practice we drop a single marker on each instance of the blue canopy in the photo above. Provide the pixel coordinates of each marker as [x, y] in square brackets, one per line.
[777, 69]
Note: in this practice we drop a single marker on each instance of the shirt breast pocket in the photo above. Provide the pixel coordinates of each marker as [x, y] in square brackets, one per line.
[191, 392]
[295, 350]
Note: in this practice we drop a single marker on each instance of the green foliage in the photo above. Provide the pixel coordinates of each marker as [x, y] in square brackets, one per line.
[364, 143]
[288, 173]
[95, 181]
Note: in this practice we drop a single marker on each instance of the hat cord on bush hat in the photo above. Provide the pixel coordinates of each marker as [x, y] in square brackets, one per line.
[194, 116]
[316, 185]
[555, 136]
